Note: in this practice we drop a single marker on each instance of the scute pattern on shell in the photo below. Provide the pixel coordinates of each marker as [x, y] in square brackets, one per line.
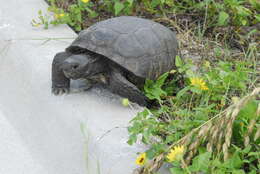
[144, 47]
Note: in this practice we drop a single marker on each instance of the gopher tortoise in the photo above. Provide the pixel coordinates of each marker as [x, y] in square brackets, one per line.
[119, 53]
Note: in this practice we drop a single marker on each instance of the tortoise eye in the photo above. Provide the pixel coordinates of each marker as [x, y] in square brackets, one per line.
[75, 66]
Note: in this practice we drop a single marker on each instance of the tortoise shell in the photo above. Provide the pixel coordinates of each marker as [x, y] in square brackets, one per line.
[143, 47]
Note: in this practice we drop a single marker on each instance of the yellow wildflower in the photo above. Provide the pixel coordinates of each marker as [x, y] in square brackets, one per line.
[200, 83]
[141, 159]
[61, 15]
[175, 154]
[85, 1]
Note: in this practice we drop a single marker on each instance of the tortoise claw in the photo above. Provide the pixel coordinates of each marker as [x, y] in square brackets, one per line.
[60, 90]
[66, 91]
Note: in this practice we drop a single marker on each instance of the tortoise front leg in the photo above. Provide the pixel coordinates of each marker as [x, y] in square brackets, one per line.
[60, 83]
[118, 84]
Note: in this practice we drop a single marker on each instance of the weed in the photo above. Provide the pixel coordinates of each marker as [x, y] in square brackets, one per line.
[192, 106]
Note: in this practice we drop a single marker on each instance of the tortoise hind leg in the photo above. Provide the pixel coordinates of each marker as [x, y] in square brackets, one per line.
[60, 83]
[118, 84]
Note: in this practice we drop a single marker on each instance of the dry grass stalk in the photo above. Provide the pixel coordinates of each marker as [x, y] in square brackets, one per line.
[214, 130]
[249, 132]
[257, 134]
[219, 141]
[227, 137]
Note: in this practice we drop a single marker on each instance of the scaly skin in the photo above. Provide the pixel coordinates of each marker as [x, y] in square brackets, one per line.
[118, 84]
[60, 83]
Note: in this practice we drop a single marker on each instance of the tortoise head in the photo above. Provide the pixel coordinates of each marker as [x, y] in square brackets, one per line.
[82, 66]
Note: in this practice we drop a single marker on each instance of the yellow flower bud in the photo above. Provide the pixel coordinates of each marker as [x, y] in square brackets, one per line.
[125, 102]
[85, 1]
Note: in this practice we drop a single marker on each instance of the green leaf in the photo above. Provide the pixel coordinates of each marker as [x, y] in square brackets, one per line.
[254, 154]
[216, 162]
[238, 172]
[155, 93]
[201, 162]
[234, 162]
[252, 172]
[177, 170]
[118, 7]
[130, 2]
[92, 13]
[243, 11]
[182, 92]
[178, 61]
[161, 79]
[153, 88]
[196, 90]
[146, 136]
[257, 17]
[246, 150]
[222, 18]
[77, 27]
[154, 3]
[155, 150]
[132, 139]
[255, 4]
[248, 111]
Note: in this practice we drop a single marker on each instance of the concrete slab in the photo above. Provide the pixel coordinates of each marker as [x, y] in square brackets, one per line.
[15, 158]
[40, 133]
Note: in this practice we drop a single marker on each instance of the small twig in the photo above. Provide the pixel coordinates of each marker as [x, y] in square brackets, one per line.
[108, 131]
